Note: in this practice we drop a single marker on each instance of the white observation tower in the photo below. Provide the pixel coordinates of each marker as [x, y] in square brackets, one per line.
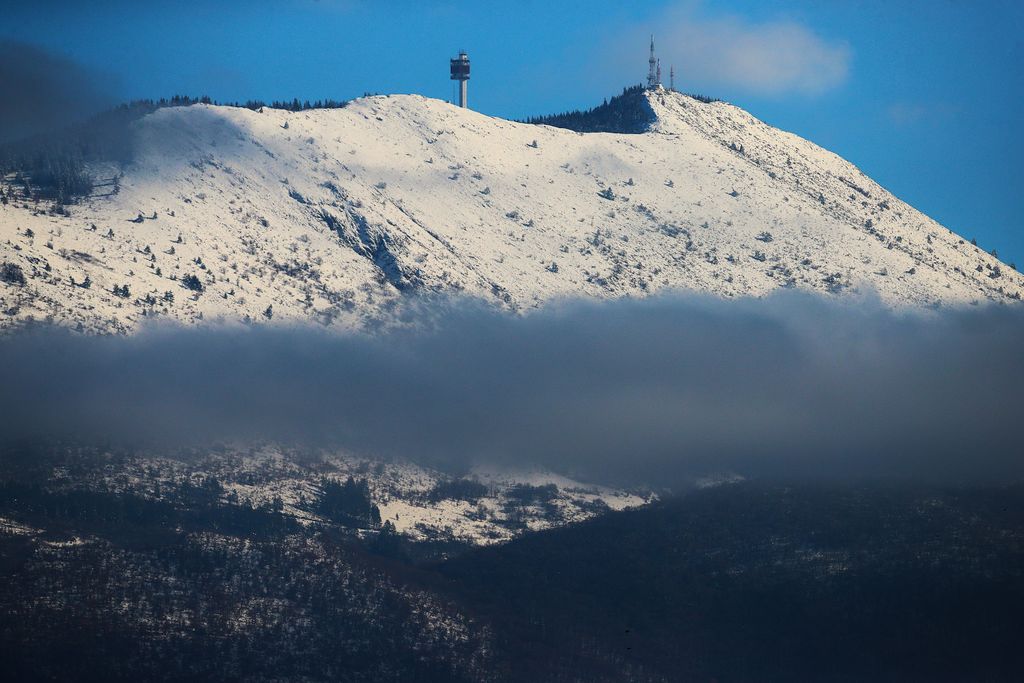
[460, 73]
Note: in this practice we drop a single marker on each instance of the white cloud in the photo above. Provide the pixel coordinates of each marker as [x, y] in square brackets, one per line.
[775, 57]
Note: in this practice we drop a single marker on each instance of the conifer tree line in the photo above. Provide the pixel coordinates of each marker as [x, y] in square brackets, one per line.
[625, 113]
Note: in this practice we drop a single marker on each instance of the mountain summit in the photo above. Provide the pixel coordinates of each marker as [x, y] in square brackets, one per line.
[333, 215]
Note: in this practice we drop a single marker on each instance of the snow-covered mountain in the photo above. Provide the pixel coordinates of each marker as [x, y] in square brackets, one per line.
[482, 507]
[335, 215]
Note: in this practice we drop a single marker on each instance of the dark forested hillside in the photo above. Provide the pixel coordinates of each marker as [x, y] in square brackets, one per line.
[765, 583]
[107, 575]
[110, 582]
[625, 113]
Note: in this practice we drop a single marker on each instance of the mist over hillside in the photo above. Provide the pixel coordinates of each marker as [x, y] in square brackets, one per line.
[666, 389]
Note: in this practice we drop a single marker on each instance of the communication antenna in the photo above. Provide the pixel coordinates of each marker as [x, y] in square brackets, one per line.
[652, 64]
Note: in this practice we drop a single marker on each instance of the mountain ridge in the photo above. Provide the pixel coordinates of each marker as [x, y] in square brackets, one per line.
[335, 216]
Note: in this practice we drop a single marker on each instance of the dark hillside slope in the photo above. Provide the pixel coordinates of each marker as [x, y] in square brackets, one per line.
[754, 583]
[108, 572]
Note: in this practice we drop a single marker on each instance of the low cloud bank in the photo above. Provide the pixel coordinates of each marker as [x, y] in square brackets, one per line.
[655, 391]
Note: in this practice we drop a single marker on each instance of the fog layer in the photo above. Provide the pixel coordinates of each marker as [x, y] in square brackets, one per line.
[653, 391]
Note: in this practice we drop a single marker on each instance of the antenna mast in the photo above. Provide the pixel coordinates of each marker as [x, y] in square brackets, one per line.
[652, 65]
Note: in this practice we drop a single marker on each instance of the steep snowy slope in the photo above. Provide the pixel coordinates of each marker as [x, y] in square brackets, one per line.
[334, 215]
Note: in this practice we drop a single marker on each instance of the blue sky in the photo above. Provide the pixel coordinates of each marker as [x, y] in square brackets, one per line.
[924, 95]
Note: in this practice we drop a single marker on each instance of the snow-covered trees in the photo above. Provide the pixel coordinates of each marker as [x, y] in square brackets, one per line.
[192, 282]
[11, 273]
[348, 504]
